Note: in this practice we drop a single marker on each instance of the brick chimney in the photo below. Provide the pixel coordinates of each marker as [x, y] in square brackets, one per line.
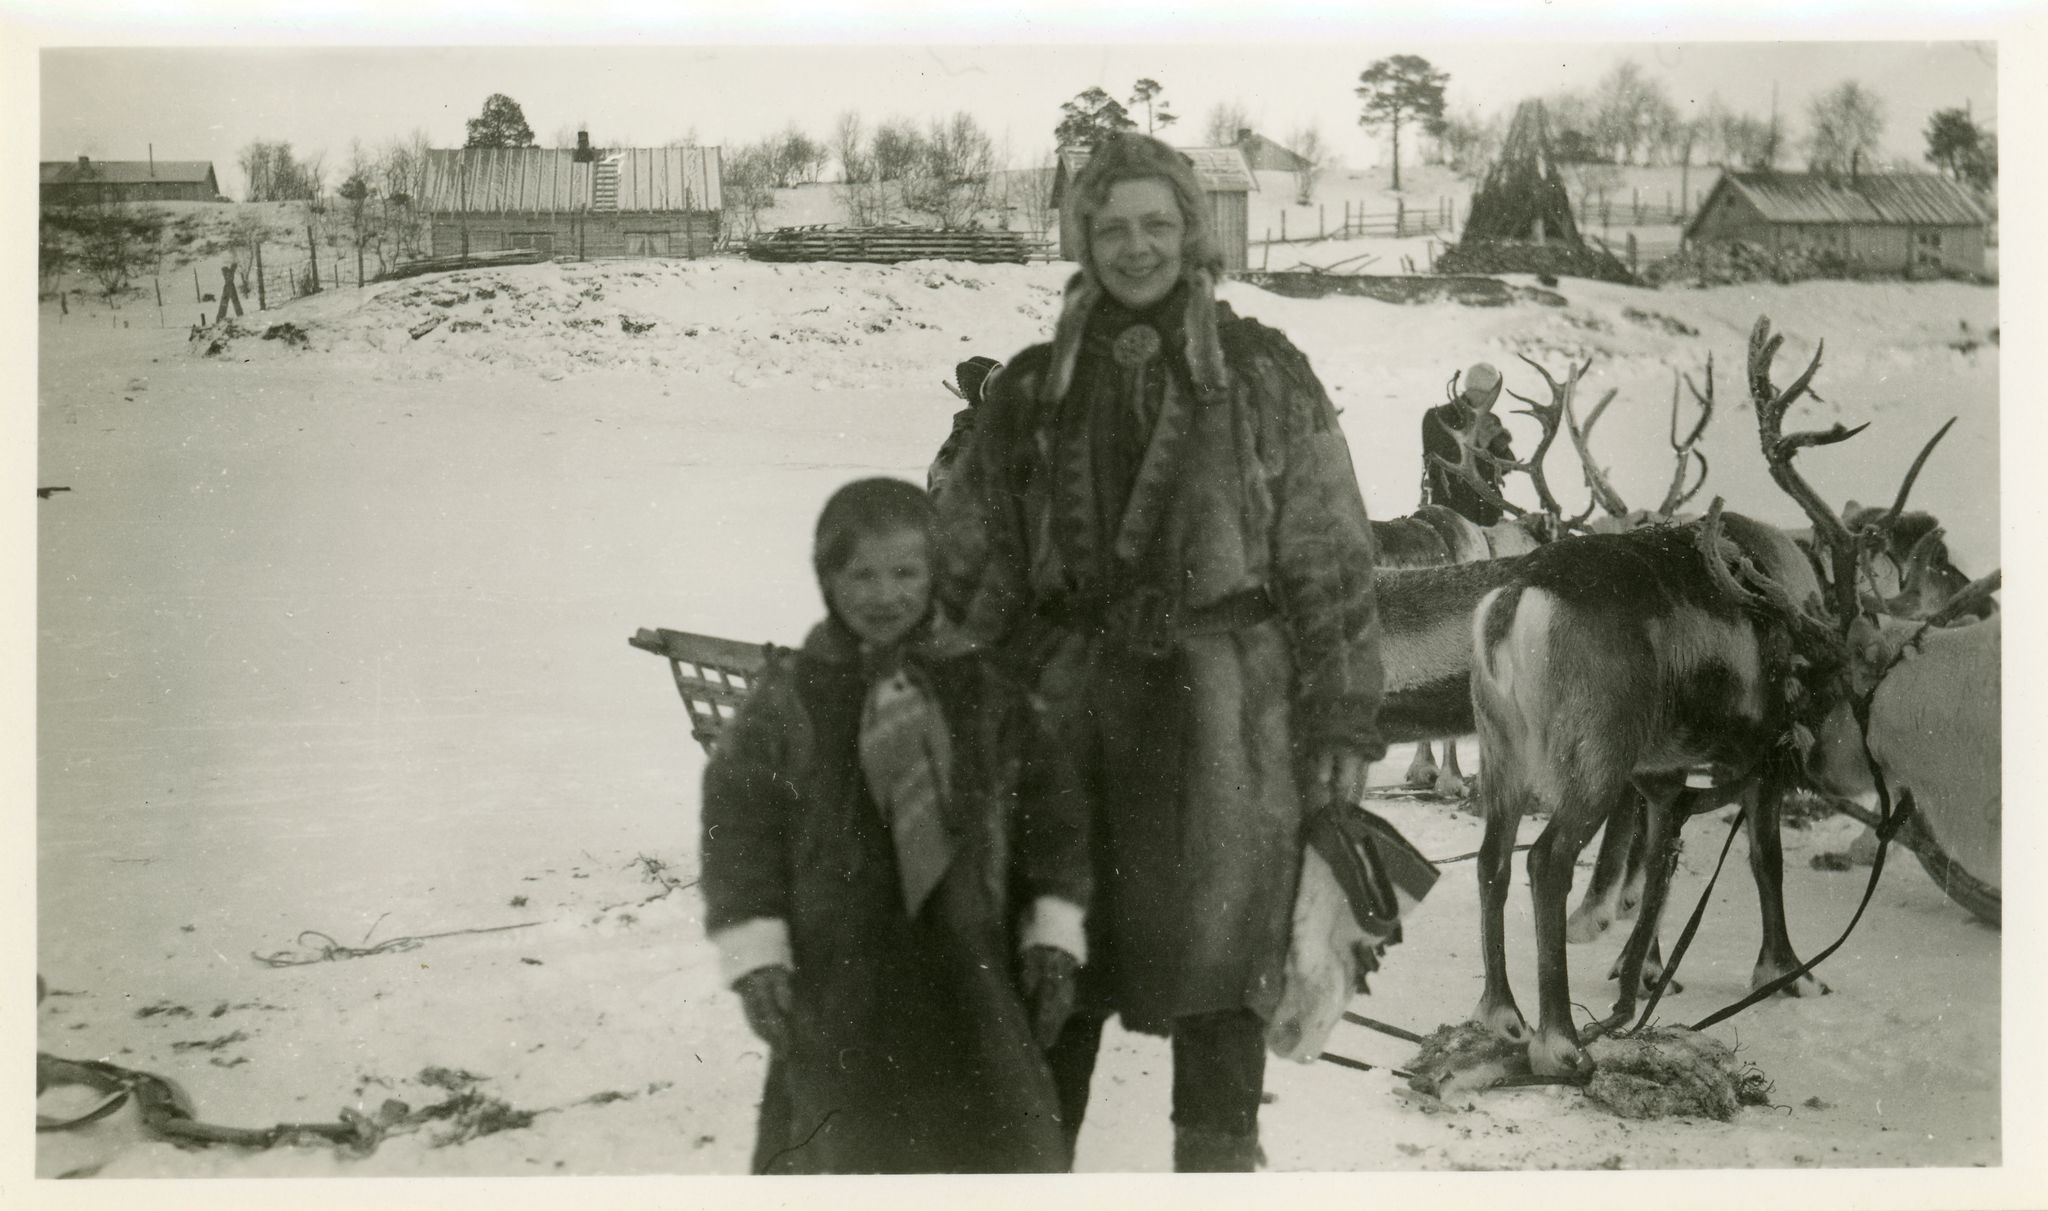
[583, 153]
[83, 162]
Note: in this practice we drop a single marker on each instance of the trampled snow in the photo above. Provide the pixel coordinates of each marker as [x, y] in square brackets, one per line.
[332, 638]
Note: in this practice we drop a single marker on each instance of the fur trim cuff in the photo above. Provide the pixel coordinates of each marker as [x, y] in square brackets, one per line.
[1056, 922]
[751, 945]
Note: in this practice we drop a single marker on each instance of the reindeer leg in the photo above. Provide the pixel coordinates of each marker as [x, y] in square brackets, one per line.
[1497, 1010]
[1555, 1049]
[1450, 782]
[1422, 772]
[1767, 865]
[1616, 871]
[1660, 845]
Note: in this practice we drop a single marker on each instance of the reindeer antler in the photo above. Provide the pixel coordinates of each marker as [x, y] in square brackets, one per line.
[1597, 483]
[1913, 474]
[1676, 496]
[1781, 448]
[1722, 554]
[1549, 418]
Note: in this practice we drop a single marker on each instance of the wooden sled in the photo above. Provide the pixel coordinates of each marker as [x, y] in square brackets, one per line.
[713, 675]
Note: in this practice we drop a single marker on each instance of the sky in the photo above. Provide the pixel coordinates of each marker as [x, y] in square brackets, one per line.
[198, 91]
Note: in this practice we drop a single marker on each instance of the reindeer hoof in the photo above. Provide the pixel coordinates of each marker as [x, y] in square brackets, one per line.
[1805, 986]
[1505, 1021]
[1554, 1053]
[1588, 921]
[1451, 786]
[1421, 777]
[1646, 983]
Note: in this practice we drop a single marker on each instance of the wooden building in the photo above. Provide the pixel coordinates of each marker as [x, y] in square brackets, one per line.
[64, 183]
[1264, 155]
[1226, 179]
[574, 204]
[1891, 220]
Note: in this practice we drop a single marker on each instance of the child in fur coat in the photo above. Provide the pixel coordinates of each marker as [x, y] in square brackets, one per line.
[895, 869]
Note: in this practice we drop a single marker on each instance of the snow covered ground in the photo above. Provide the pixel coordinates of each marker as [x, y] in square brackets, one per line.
[331, 638]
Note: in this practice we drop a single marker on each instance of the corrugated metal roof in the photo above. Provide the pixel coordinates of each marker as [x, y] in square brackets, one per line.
[1218, 169]
[1222, 169]
[125, 172]
[484, 180]
[1894, 199]
[669, 178]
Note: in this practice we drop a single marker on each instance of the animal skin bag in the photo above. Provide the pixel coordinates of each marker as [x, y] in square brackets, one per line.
[1359, 877]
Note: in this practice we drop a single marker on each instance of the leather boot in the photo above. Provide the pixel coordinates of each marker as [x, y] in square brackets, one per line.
[1207, 1150]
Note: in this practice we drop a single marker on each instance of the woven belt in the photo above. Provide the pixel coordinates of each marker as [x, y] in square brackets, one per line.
[1146, 623]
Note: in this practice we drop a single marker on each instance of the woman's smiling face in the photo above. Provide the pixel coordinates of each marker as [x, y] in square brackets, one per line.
[1136, 240]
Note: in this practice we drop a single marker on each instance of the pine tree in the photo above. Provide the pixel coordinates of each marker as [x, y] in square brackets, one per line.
[1088, 117]
[501, 124]
[1402, 88]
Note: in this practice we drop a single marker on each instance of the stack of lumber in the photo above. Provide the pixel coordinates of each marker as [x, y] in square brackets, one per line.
[888, 245]
[475, 260]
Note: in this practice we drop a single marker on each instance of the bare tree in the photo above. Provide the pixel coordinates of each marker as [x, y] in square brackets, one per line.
[846, 136]
[1573, 121]
[1226, 120]
[113, 240]
[895, 149]
[1034, 192]
[1469, 141]
[361, 204]
[797, 158]
[404, 169]
[1847, 121]
[1315, 157]
[748, 185]
[950, 181]
[1630, 107]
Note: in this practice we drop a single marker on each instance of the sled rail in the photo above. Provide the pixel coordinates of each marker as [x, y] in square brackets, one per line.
[713, 675]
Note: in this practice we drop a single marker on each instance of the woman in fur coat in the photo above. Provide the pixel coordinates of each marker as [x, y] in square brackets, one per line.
[895, 868]
[1159, 513]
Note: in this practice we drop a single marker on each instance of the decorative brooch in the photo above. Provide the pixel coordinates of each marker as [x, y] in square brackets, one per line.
[1135, 346]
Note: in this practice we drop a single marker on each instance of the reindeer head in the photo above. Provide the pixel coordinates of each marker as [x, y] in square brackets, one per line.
[1841, 645]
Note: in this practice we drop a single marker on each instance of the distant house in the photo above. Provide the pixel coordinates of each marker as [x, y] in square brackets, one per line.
[1264, 155]
[65, 183]
[576, 203]
[1892, 220]
[1225, 176]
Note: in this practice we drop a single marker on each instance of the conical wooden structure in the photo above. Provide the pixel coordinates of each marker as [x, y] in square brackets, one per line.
[1523, 197]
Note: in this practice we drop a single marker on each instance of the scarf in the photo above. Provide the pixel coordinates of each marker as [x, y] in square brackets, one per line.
[906, 757]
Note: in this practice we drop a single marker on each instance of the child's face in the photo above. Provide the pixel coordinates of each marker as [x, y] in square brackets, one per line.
[884, 589]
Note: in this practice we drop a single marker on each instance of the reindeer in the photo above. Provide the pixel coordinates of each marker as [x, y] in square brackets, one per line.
[1400, 548]
[1909, 577]
[1612, 665]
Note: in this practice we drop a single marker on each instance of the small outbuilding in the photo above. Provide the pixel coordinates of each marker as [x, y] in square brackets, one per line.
[65, 183]
[574, 203]
[1882, 220]
[1226, 178]
[1264, 155]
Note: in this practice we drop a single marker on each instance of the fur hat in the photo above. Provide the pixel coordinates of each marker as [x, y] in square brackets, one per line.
[1128, 156]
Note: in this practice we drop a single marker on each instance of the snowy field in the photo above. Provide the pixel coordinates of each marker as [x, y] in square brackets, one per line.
[332, 638]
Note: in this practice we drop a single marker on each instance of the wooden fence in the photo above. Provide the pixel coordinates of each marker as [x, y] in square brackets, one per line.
[1635, 210]
[888, 245]
[1353, 221]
